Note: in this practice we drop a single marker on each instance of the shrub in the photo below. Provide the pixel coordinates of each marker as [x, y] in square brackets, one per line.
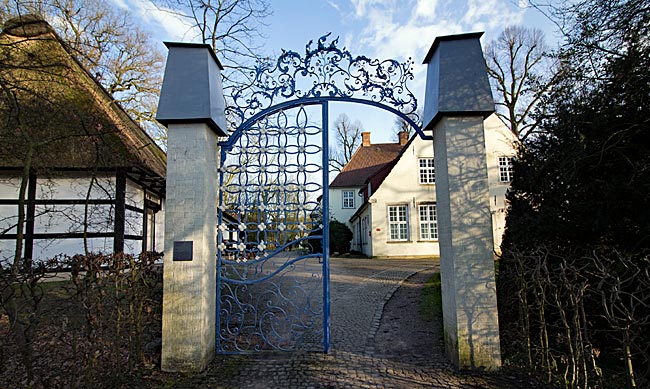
[90, 330]
[340, 238]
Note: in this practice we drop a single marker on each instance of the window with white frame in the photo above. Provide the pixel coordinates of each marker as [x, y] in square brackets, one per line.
[348, 199]
[428, 222]
[398, 225]
[505, 169]
[427, 171]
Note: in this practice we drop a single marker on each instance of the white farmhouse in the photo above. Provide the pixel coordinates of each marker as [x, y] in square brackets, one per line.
[386, 193]
[91, 179]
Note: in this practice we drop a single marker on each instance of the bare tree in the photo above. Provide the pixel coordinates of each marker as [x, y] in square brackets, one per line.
[402, 125]
[348, 138]
[596, 30]
[232, 27]
[110, 46]
[520, 71]
[119, 54]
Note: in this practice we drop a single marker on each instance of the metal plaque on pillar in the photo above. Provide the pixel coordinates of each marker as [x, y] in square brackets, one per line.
[183, 251]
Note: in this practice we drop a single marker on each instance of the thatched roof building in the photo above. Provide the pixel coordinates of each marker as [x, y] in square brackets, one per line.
[56, 117]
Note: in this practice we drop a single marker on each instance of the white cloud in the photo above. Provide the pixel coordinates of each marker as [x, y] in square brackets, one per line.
[406, 28]
[120, 4]
[362, 6]
[425, 9]
[490, 14]
[172, 26]
[334, 5]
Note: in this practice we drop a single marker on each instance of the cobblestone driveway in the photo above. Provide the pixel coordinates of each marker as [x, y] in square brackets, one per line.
[359, 290]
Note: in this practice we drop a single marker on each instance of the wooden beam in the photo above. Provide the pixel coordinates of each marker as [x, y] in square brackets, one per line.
[120, 208]
[70, 235]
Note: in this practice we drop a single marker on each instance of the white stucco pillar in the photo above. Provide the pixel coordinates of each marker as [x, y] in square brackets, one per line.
[189, 280]
[465, 235]
[458, 98]
[192, 107]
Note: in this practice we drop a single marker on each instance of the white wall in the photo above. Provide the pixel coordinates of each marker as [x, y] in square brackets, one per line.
[336, 204]
[9, 188]
[402, 186]
[62, 218]
[8, 214]
[499, 142]
[365, 221]
[133, 221]
[160, 228]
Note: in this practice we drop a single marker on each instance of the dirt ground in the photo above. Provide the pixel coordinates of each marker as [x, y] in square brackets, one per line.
[405, 335]
[404, 332]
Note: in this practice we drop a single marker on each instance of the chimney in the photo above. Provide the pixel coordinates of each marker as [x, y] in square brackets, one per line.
[403, 137]
[365, 139]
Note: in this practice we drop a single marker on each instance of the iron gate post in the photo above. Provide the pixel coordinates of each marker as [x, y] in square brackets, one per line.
[458, 99]
[326, 230]
[192, 107]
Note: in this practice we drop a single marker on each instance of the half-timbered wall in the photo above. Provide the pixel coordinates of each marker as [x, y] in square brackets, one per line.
[74, 205]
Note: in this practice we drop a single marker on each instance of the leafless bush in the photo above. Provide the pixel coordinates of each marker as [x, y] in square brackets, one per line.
[89, 330]
[582, 317]
[21, 293]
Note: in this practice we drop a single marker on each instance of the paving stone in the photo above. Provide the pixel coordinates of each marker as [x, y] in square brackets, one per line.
[360, 288]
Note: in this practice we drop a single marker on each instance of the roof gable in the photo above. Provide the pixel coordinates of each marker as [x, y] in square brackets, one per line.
[365, 162]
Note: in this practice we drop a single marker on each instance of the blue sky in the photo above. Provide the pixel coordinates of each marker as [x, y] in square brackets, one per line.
[381, 29]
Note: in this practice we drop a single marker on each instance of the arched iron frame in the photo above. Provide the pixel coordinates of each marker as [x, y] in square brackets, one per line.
[315, 101]
[277, 81]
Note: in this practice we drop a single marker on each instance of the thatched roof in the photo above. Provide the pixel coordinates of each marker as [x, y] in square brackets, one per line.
[51, 105]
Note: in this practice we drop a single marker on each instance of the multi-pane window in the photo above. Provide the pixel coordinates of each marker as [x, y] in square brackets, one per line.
[398, 224]
[348, 199]
[427, 171]
[428, 222]
[505, 169]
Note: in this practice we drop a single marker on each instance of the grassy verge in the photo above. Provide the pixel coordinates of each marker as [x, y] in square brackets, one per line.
[431, 299]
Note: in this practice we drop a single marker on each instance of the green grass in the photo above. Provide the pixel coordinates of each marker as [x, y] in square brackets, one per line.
[431, 299]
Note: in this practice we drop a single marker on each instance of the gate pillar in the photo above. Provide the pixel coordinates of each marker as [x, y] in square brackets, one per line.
[457, 100]
[192, 107]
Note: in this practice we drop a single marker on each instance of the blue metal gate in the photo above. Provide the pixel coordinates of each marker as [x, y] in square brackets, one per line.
[273, 262]
[273, 231]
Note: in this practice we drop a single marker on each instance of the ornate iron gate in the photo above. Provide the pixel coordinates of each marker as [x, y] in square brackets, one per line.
[272, 247]
[273, 232]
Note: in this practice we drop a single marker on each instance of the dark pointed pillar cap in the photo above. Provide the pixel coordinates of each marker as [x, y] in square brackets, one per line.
[457, 79]
[192, 91]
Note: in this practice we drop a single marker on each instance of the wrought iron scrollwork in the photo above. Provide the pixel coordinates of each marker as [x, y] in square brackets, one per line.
[324, 71]
[273, 229]
[270, 273]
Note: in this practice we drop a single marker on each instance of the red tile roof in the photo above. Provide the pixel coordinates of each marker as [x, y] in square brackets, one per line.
[376, 179]
[365, 162]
